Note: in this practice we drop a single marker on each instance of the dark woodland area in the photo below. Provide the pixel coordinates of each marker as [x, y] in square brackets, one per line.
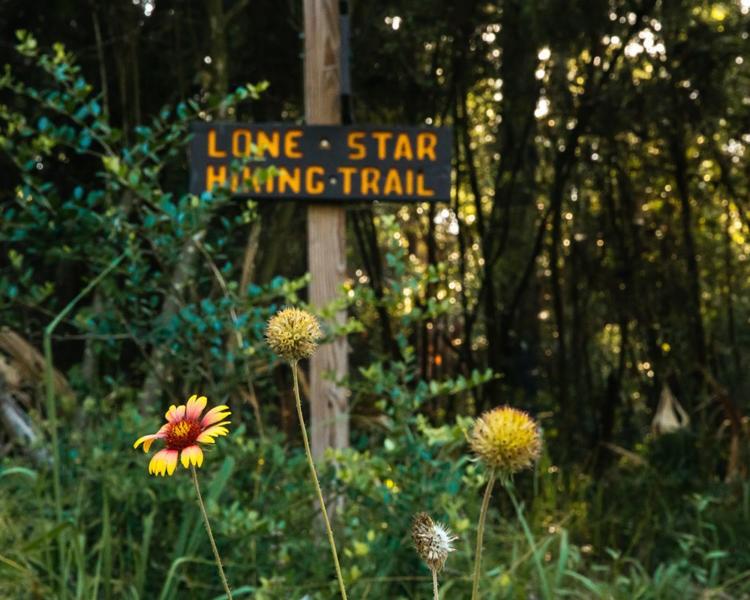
[590, 269]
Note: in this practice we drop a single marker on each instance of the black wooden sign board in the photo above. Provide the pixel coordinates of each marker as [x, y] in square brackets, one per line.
[322, 162]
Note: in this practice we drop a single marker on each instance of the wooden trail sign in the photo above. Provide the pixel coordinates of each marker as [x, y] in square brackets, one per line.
[322, 162]
[327, 165]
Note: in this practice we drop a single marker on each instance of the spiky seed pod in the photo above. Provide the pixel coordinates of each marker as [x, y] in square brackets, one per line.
[293, 334]
[433, 541]
[506, 439]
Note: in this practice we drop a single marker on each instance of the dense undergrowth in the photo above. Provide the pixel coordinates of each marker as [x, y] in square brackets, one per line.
[638, 532]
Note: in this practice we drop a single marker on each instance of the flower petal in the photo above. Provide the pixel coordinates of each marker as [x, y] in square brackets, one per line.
[175, 414]
[198, 456]
[217, 429]
[217, 413]
[171, 414]
[195, 406]
[145, 440]
[158, 464]
[192, 455]
[171, 460]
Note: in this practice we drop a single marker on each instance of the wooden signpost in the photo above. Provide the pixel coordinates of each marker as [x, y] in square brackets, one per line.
[327, 165]
[326, 229]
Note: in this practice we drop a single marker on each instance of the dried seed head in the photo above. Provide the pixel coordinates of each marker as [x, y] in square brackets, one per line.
[433, 541]
[506, 439]
[293, 334]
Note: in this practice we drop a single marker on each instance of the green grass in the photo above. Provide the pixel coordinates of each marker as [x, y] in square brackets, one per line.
[635, 534]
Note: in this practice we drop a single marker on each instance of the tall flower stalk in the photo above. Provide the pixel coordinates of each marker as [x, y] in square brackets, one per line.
[186, 429]
[51, 403]
[507, 441]
[210, 533]
[480, 535]
[293, 334]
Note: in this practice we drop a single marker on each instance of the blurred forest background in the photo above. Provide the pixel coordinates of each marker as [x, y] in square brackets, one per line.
[591, 268]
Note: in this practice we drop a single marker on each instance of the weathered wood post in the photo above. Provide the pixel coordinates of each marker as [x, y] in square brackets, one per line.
[326, 228]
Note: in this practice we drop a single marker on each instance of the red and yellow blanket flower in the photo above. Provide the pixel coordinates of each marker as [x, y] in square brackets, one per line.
[183, 433]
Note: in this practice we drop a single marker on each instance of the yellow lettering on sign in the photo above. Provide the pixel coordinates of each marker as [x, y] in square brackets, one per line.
[314, 183]
[354, 141]
[241, 143]
[409, 182]
[369, 180]
[311, 180]
[347, 172]
[403, 148]
[289, 180]
[269, 181]
[382, 137]
[249, 180]
[215, 175]
[268, 144]
[421, 189]
[291, 143]
[426, 142]
[392, 183]
[213, 152]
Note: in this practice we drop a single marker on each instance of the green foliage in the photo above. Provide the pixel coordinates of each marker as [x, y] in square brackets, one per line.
[135, 536]
[568, 233]
[116, 200]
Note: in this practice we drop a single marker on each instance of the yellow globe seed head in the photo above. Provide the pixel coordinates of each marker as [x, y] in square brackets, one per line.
[506, 439]
[293, 334]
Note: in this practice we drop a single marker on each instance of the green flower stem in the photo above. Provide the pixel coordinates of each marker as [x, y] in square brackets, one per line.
[436, 595]
[480, 535]
[49, 383]
[546, 593]
[314, 474]
[210, 533]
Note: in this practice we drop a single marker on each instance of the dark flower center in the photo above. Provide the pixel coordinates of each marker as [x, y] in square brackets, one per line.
[182, 434]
